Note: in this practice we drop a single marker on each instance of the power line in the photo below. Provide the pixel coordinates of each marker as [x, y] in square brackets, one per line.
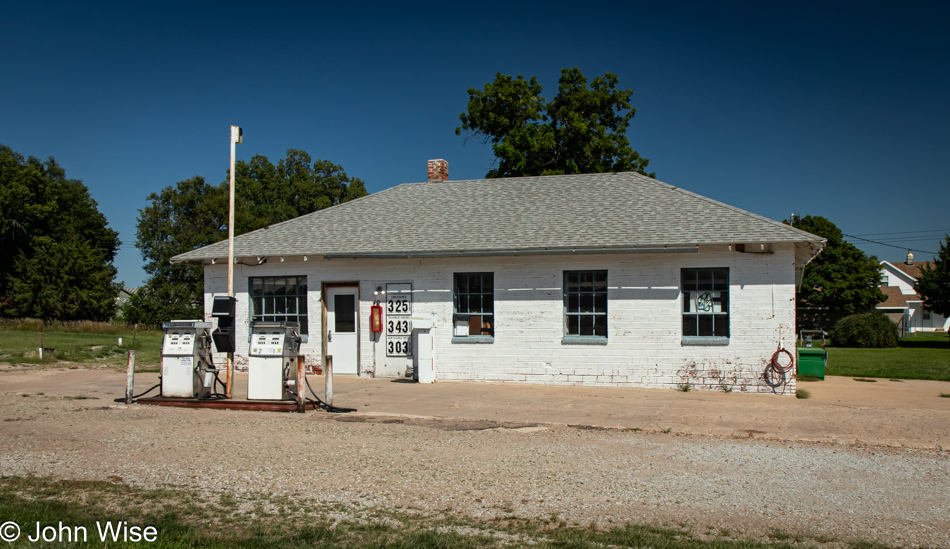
[889, 245]
[911, 239]
[940, 231]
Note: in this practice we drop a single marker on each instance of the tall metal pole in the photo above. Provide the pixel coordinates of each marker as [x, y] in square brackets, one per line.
[236, 137]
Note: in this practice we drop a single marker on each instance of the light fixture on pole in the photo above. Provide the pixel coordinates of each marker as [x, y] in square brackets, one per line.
[237, 136]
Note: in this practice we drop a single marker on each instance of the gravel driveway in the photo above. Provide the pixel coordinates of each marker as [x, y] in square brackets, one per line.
[482, 469]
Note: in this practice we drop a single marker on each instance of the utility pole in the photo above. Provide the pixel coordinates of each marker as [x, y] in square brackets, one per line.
[237, 136]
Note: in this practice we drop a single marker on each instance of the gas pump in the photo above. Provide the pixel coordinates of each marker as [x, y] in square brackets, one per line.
[272, 366]
[187, 371]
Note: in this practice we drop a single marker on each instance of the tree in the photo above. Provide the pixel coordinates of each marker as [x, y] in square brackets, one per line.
[58, 248]
[178, 219]
[65, 280]
[193, 214]
[583, 130]
[841, 278]
[933, 284]
[296, 186]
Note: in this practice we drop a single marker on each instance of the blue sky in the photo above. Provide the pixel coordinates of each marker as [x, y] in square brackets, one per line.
[837, 109]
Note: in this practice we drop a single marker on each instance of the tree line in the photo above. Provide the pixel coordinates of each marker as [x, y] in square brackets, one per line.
[57, 247]
[59, 251]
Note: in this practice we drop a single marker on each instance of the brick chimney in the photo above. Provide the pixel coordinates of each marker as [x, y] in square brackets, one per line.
[438, 171]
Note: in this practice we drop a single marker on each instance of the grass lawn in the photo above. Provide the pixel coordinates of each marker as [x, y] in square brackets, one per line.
[922, 356]
[183, 519]
[19, 345]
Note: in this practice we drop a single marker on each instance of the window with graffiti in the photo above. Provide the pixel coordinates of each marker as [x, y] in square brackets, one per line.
[705, 302]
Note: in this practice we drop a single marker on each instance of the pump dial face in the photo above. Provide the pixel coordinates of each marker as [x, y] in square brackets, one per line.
[267, 342]
[178, 342]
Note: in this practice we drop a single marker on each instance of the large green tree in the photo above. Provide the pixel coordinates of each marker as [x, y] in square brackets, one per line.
[193, 213]
[934, 282]
[177, 219]
[57, 247]
[842, 278]
[297, 185]
[582, 130]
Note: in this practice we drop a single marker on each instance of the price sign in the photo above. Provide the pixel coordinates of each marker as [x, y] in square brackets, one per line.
[397, 346]
[399, 304]
[398, 323]
[398, 326]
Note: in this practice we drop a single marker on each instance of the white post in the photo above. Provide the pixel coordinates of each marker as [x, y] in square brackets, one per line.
[328, 372]
[129, 377]
[236, 137]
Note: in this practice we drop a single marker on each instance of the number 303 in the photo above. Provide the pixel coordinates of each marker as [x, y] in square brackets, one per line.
[399, 347]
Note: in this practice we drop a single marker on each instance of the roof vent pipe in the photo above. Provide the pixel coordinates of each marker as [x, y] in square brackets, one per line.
[910, 257]
[438, 171]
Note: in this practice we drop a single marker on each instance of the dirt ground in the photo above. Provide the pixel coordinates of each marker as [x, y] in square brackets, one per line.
[907, 413]
[856, 460]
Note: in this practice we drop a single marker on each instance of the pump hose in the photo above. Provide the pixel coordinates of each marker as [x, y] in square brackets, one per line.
[143, 393]
[217, 381]
[308, 399]
[328, 407]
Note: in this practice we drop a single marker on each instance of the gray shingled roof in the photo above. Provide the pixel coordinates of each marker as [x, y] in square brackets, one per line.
[612, 210]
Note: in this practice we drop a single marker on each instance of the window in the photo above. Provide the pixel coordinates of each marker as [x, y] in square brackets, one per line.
[276, 298]
[705, 303]
[474, 305]
[585, 303]
[344, 313]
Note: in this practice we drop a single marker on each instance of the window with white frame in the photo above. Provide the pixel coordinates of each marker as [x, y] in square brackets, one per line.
[279, 298]
[585, 303]
[474, 305]
[705, 302]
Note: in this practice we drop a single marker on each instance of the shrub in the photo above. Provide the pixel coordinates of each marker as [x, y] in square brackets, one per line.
[872, 329]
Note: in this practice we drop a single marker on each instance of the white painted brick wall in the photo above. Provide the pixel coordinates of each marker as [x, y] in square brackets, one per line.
[644, 346]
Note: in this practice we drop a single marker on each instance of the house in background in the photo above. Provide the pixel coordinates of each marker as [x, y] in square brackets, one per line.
[903, 305]
[124, 294]
[588, 279]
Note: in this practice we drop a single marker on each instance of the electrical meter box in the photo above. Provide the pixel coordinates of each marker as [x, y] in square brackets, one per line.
[272, 360]
[187, 371]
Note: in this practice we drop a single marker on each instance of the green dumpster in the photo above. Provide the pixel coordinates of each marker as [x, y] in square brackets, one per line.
[812, 362]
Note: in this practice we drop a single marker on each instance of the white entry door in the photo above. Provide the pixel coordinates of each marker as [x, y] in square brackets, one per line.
[342, 322]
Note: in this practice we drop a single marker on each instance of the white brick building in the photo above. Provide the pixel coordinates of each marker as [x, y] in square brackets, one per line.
[603, 279]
